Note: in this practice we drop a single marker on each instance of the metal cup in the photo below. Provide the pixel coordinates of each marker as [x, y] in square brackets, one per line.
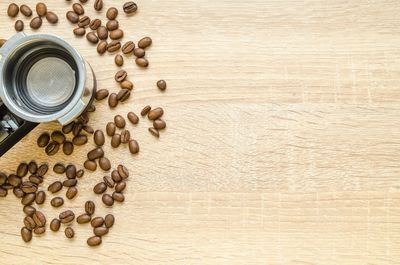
[42, 79]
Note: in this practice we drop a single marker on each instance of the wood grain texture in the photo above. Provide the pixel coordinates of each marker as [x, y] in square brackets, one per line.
[282, 144]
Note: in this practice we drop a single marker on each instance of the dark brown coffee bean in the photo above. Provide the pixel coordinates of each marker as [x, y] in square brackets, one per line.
[84, 21]
[104, 163]
[32, 167]
[66, 216]
[70, 183]
[95, 24]
[109, 220]
[90, 165]
[55, 225]
[154, 132]
[36, 179]
[102, 33]
[91, 37]
[22, 170]
[116, 140]
[155, 114]
[123, 171]
[41, 9]
[99, 138]
[120, 187]
[88, 129]
[55, 187]
[66, 129]
[68, 148]
[116, 34]
[126, 84]
[51, 17]
[130, 7]
[29, 223]
[110, 129]
[57, 202]
[80, 173]
[119, 60]
[107, 199]
[142, 62]
[26, 10]
[3, 192]
[52, 148]
[95, 153]
[72, 17]
[115, 176]
[26, 234]
[39, 230]
[69, 232]
[29, 187]
[90, 207]
[83, 118]
[139, 52]
[114, 46]
[162, 85]
[133, 147]
[112, 25]
[118, 197]
[112, 13]
[78, 9]
[125, 136]
[102, 47]
[71, 193]
[40, 197]
[58, 137]
[78, 126]
[7, 186]
[14, 180]
[99, 188]
[101, 94]
[100, 231]
[119, 121]
[19, 25]
[93, 241]
[3, 178]
[97, 221]
[42, 170]
[91, 108]
[113, 100]
[12, 10]
[2, 42]
[39, 219]
[28, 199]
[120, 76]
[80, 139]
[83, 218]
[43, 139]
[98, 5]
[59, 168]
[145, 42]
[133, 118]
[145, 110]
[109, 181]
[123, 94]
[29, 210]
[159, 124]
[70, 171]
[18, 192]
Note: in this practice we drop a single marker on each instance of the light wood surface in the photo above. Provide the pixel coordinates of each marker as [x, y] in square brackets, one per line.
[283, 139]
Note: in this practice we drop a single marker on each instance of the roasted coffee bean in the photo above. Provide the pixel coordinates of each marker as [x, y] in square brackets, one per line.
[142, 62]
[39, 230]
[123, 171]
[84, 21]
[114, 46]
[154, 132]
[42, 170]
[43, 139]
[66, 216]
[155, 114]
[80, 139]
[145, 110]
[78, 126]
[130, 7]
[12, 10]
[100, 231]
[83, 118]
[139, 52]
[26, 10]
[97, 221]
[109, 181]
[123, 94]
[70, 171]
[57, 202]
[119, 121]
[40, 197]
[91, 37]
[68, 148]
[68, 127]
[95, 153]
[51, 17]
[159, 124]
[90, 207]
[2, 41]
[80, 173]
[19, 25]
[26, 234]
[7, 186]
[107, 199]
[55, 187]
[112, 25]
[98, 5]
[133, 147]
[83, 1]
[116, 140]
[162, 85]
[39, 218]
[55, 225]
[126, 84]
[125, 136]
[29, 223]
[72, 17]
[102, 33]
[91, 108]
[58, 137]
[29, 210]
[99, 188]
[52, 148]
[110, 129]
[133, 118]
[116, 176]
[18, 192]
[32, 167]
[145, 42]
[90, 165]
[36, 179]
[118, 197]
[41, 9]
[120, 76]
[101, 94]
[112, 13]
[119, 60]
[83, 218]
[116, 34]
[78, 9]
[88, 129]
[104, 163]
[113, 100]
[99, 138]
[71, 193]
[93, 241]
[29, 187]
[102, 47]
[3, 178]
[14, 180]
[69, 232]
[120, 187]
[109, 220]
[3, 192]
[70, 182]
[22, 170]
[59, 168]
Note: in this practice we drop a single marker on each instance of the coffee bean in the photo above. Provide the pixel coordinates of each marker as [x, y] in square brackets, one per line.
[41, 9]
[80, 173]
[18, 192]
[109, 181]
[72, 17]
[142, 62]
[97, 221]
[83, 218]
[32, 167]
[59, 168]
[29, 210]
[99, 188]
[98, 5]
[29, 223]
[7, 186]
[112, 25]
[109, 220]
[119, 121]
[88, 129]
[39, 230]
[145, 42]
[26, 234]
[145, 110]
[80, 139]
[107, 199]
[69, 232]
[120, 186]
[82, 1]
[104, 163]
[36, 179]
[100, 231]
[51, 17]
[93, 241]
[110, 129]
[133, 118]
[78, 126]
[71, 193]
[55, 225]
[29, 187]
[118, 197]
[57, 202]
[12, 10]
[42, 170]
[116, 176]
[101, 94]
[40, 197]
[123, 94]
[116, 140]
[58, 136]
[66, 129]
[102, 32]
[3, 192]
[155, 114]
[130, 7]
[116, 34]
[2, 42]
[43, 139]
[19, 25]
[126, 84]
[133, 147]
[84, 21]
[90, 165]
[98, 138]
[14, 180]
[95, 153]
[119, 60]
[154, 132]
[70, 171]
[159, 124]
[90, 207]
[123, 171]
[22, 170]
[120, 76]
[68, 148]
[125, 136]
[70, 182]
[95, 24]
[139, 52]
[102, 47]
[39, 219]
[28, 199]
[91, 37]
[114, 46]
[112, 13]
[162, 85]
[113, 100]
[78, 9]
[84, 118]
[26, 10]
[55, 187]
[3, 178]
[52, 148]
[66, 216]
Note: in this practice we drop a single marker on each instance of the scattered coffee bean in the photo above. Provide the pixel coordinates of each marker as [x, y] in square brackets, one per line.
[154, 132]
[112, 13]
[93, 241]
[72, 17]
[107, 199]
[142, 62]
[41, 9]
[51, 17]
[3, 178]
[84, 118]
[113, 100]
[120, 187]
[102, 32]
[55, 225]
[126, 84]
[100, 231]
[123, 94]
[26, 234]
[80, 139]
[133, 118]
[40, 197]
[88, 129]
[55, 187]
[91, 37]
[70, 183]
[39, 230]
[97, 221]
[84, 21]
[155, 114]
[78, 9]
[83, 218]
[98, 5]
[119, 60]
[139, 52]
[116, 35]
[114, 46]
[19, 25]
[66, 129]
[28, 199]
[102, 47]
[99, 188]
[99, 138]
[71, 193]
[123, 171]
[32, 167]
[66, 216]
[83, 1]
[78, 126]
[130, 7]
[12, 10]
[110, 128]
[22, 170]
[68, 148]
[116, 176]
[109, 181]
[145, 110]
[70, 171]
[125, 136]
[69, 232]
[14, 180]
[119, 121]
[35, 179]
[109, 220]
[29, 223]
[59, 168]
[90, 165]
[112, 25]
[116, 140]
[36, 23]
[95, 153]
[52, 148]
[29, 187]
[120, 76]
[42, 170]
[162, 85]
[58, 136]
[90, 207]
[159, 124]
[91, 108]
[104, 163]
[29, 210]
[3, 192]
[133, 147]
[43, 139]
[80, 173]
[39, 219]
[26, 10]
[145, 42]
[101, 94]
[95, 24]
[57, 202]
[118, 197]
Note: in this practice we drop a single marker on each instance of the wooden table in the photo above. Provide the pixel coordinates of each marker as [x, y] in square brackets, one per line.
[283, 139]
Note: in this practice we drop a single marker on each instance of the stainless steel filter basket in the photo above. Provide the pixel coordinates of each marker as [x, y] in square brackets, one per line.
[42, 79]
